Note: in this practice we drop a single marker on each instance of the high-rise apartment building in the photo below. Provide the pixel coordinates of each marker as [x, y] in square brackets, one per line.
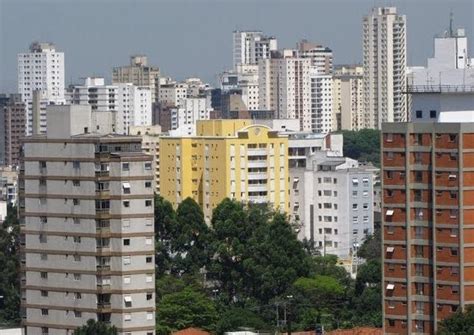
[185, 117]
[384, 45]
[285, 87]
[86, 216]
[348, 98]
[226, 158]
[322, 120]
[138, 73]
[131, 105]
[12, 128]
[251, 46]
[321, 57]
[245, 80]
[427, 224]
[40, 69]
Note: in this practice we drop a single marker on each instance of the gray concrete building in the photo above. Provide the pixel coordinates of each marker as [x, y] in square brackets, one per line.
[86, 215]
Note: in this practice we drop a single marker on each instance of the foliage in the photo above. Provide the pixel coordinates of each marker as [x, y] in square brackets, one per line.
[9, 263]
[186, 308]
[93, 327]
[233, 318]
[362, 145]
[460, 323]
[371, 249]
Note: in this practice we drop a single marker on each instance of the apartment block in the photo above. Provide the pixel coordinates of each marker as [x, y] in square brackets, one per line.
[12, 128]
[138, 73]
[249, 47]
[384, 54]
[151, 146]
[41, 69]
[428, 222]
[321, 56]
[226, 158]
[86, 216]
[348, 97]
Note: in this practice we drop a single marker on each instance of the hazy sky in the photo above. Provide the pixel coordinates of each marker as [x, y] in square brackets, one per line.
[194, 37]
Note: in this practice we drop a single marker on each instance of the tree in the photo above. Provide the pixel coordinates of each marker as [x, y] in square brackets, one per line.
[165, 222]
[232, 318]
[93, 327]
[371, 249]
[186, 308]
[362, 145]
[460, 323]
[10, 265]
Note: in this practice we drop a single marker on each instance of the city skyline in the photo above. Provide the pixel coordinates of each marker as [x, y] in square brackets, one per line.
[184, 53]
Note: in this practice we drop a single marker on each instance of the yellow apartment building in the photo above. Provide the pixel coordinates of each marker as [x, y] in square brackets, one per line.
[226, 158]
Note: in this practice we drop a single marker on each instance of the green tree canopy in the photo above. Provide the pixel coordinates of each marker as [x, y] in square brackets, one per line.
[459, 323]
[93, 327]
[186, 308]
[363, 145]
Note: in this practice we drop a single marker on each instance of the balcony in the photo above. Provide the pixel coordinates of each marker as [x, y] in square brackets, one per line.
[257, 176]
[103, 267]
[257, 152]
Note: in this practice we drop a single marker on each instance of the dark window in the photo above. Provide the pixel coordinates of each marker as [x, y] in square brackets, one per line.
[126, 241]
[433, 114]
[419, 114]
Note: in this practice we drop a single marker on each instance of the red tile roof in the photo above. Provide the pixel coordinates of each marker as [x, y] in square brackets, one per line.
[191, 331]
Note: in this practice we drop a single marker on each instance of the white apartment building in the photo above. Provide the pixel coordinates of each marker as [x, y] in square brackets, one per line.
[251, 46]
[151, 146]
[301, 145]
[9, 185]
[86, 216]
[40, 69]
[443, 91]
[171, 94]
[384, 45]
[348, 98]
[331, 199]
[321, 102]
[185, 117]
[244, 79]
[285, 87]
[132, 105]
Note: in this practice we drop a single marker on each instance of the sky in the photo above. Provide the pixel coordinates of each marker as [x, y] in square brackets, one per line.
[193, 38]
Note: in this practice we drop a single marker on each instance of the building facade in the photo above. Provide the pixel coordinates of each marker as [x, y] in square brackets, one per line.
[41, 69]
[13, 128]
[86, 216]
[427, 224]
[348, 98]
[249, 47]
[226, 158]
[384, 55]
[138, 73]
[321, 57]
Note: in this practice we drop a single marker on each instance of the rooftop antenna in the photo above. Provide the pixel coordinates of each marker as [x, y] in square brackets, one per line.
[451, 19]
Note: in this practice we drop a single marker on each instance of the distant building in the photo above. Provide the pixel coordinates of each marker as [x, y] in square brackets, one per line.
[348, 98]
[444, 89]
[151, 146]
[226, 158]
[131, 105]
[385, 59]
[251, 46]
[86, 216]
[331, 200]
[41, 69]
[9, 185]
[245, 80]
[12, 128]
[138, 73]
[321, 57]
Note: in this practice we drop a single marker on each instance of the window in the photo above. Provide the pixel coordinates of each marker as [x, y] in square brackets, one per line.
[44, 331]
[148, 166]
[452, 137]
[148, 241]
[77, 239]
[454, 251]
[149, 296]
[127, 317]
[455, 289]
[126, 188]
[355, 219]
[148, 203]
[77, 258]
[44, 293]
[44, 311]
[76, 164]
[75, 202]
[126, 204]
[365, 206]
[77, 276]
[126, 242]
[148, 184]
[419, 114]
[354, 206]
[355, 232]
[149, 278]
[127, 280]
[77, 314]
[77, 295]
[43, 238]
[128, 301]
[125, 166]
[126, 223]
[149, 316]
[76, 220]
[43, 219]
[432, 114]
[76, 183]
[149, 259]
[127, 260]
[389, 137]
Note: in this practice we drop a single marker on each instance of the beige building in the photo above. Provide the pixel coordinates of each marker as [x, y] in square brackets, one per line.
[151, 146]
[138, 73]
[348, 95]
[86, 215]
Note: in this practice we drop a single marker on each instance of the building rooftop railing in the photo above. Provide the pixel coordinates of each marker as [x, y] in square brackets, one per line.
[440, 89]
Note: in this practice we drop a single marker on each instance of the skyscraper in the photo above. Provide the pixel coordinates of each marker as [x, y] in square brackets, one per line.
[384, 34]
[251, 46]
[41, 69]
[12, 121]
[86, 216]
